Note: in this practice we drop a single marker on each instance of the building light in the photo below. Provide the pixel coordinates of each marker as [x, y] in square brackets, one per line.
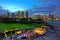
[18, 32]
[40, 31]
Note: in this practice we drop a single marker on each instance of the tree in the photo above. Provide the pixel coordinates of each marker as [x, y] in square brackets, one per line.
[5, 32]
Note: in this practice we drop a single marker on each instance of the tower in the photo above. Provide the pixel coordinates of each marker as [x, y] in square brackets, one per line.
[26, 13]
[18, 14]
[7, 14]
[12, 15]
[22, 14]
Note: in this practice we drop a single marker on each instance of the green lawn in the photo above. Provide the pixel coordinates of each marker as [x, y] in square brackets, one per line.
[13, 26]
[10, 26]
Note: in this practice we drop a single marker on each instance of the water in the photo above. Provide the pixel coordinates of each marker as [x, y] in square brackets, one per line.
[54, 22]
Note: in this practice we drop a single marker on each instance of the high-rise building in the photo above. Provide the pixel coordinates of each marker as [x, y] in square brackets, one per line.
[12, 15]
[22, 14]
[18, 14]
[38, 16]
[45, 17]
[7, 14]
[51, 16]
[26, 13]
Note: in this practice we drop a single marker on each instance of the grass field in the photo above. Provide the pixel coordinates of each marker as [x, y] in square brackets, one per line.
[13, 26]
[10, 26]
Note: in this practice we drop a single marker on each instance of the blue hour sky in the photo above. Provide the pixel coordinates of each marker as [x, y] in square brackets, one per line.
[14, 5]
[34, 5]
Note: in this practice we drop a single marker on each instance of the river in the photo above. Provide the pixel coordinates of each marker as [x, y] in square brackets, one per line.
[54, 22]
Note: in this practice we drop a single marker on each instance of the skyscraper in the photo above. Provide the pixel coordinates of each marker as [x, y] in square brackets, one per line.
[26, 13]
[51, 16]
[22, 14]
[38, 16]
[12, 15]
[18, 14]
[7, 14]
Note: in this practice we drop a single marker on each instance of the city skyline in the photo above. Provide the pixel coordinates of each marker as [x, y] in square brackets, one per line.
[25, 14]
[34, 6]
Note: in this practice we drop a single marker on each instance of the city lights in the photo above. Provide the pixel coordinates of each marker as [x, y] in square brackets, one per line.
[40, 31]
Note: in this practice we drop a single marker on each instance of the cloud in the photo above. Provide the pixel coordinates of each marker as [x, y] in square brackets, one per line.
[2, 11]
[48, 6]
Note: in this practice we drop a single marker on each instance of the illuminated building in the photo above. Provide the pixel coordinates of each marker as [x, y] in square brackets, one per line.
[7, 14]
[18, 14]
[22, 14]
[40, 31]
[27, 14]
[38, 16]
[19, 32]
[51, 16]
[45, 17]
[12, 15]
